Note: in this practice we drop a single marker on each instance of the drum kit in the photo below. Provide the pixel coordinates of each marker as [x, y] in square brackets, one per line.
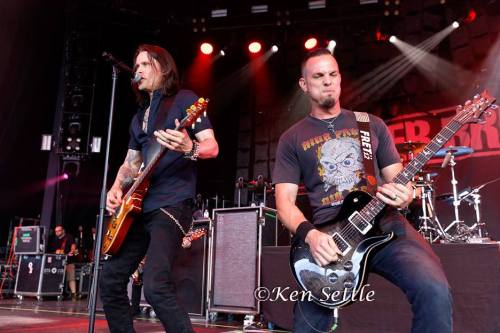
[422, 212]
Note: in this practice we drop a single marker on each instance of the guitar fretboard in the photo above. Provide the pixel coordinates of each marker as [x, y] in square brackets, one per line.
[375, 206]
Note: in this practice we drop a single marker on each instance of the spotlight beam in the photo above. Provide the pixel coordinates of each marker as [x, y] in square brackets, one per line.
[440, 71]
[384, 77]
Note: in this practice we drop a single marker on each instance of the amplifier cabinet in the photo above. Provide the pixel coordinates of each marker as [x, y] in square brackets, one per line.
[40, 275]
[235, 250]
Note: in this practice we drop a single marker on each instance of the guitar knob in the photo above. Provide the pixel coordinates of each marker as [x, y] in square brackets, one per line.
[348, 284]
[332, 278]
[348, 265]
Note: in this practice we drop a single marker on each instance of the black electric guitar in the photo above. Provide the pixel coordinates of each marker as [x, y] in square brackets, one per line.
[353, 229]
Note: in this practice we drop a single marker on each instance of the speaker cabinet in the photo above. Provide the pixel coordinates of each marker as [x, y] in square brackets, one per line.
[235, 249]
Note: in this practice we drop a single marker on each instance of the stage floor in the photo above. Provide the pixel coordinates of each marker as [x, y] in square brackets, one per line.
[49, 316]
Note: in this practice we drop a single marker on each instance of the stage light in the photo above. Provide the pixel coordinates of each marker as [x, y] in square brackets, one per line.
[95, 146]
[311, 43]
[46, 142]
[70, 168]
[392, 39]
[274, 48]
[331, 45]
[65, 176]
[254, 47]
[219, 12]
[206, 48]
[222, 53]
[471, 16]
[455, 24]
[317, 4]
[259, 9]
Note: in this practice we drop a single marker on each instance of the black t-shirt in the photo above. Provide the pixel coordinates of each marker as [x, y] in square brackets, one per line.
[331, 166]
[62, 243]
[174, 178]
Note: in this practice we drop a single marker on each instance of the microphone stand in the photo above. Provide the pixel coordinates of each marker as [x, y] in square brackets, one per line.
[102, 206]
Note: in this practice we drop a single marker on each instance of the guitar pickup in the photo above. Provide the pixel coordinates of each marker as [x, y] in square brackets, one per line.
[341, 243]
[359, 223]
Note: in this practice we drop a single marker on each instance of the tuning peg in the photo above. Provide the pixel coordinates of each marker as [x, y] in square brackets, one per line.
[494, 106]
[459, 108]
[192, 126]
[198, 120]
[205, 114]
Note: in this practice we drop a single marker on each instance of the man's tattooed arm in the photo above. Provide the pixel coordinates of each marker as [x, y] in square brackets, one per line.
[129, 169]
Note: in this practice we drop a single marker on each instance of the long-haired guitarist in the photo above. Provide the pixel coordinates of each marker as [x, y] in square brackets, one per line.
[324, 150]
[167, 205]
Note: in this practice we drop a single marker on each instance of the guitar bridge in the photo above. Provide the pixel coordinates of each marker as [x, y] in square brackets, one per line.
[341, 243]
[359, 223]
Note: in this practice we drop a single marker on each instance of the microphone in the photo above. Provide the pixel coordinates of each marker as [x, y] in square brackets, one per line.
[446, 160]
[136, 78]
[117, 63]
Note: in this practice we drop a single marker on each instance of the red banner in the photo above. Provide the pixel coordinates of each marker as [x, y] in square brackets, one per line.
[421, 127]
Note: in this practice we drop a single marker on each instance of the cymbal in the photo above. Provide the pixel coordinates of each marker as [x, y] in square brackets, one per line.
[409, 146]
[446, 197]
[455, 150]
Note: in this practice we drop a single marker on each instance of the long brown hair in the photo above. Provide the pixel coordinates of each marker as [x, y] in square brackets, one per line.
[168, 68]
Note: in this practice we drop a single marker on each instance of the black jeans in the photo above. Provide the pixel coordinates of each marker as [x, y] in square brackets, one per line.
[156, 235]
[409, 263]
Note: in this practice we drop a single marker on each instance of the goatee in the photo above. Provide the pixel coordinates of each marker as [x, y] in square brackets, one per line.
[328, 103]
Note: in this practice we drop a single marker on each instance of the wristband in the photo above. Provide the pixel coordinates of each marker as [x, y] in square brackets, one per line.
[194, 152]
[303, 229]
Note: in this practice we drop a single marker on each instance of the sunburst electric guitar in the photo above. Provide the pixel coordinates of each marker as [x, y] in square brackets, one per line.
[353, 229]
[121, 221]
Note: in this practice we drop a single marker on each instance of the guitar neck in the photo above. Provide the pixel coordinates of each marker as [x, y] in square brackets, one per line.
[375, 206]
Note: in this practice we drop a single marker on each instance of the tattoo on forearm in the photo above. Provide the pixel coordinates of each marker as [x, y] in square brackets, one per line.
[129, 169]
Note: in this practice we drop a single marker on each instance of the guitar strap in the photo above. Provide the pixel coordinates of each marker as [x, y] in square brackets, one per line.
[159, 123]
[365, 141]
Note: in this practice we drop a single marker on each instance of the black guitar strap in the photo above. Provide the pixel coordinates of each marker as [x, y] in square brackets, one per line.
[365, 141]
[159, 123]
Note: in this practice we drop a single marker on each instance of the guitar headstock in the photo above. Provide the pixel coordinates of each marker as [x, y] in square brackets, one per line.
[197, 234]
[194, 112]
[472, 111]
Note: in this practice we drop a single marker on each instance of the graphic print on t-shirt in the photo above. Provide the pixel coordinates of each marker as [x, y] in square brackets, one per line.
[339, 163]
